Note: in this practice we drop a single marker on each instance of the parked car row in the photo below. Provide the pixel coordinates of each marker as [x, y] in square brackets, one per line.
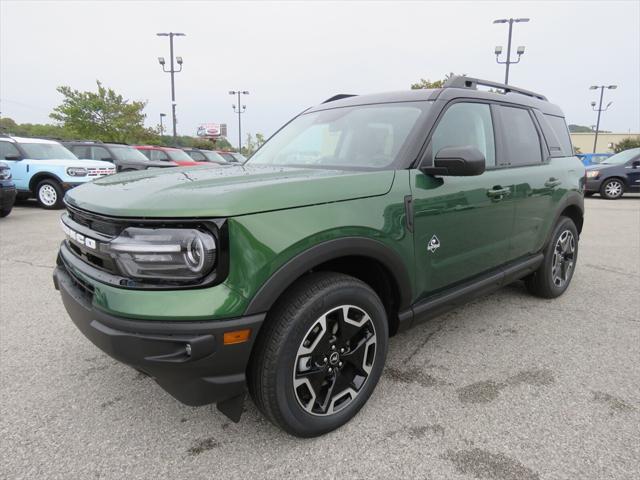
[45, 169]
[615, 175]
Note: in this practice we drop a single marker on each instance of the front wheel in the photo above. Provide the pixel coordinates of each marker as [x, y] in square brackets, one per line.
[554, 275]
[320, 354]
[49, 194]
[612, 189]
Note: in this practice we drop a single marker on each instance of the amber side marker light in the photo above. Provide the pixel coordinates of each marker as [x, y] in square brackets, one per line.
[237, 336]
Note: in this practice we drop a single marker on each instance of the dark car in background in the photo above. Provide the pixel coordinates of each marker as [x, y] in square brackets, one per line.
[615, 175]
[7, 190]
[232, 157]
[168, 154]
[201, 155]
[124, 157]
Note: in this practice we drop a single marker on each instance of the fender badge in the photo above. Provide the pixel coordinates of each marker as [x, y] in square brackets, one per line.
[434, 244]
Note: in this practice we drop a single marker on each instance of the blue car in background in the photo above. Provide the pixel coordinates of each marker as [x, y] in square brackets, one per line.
[45, 169]
[7, 190]
[593, 158]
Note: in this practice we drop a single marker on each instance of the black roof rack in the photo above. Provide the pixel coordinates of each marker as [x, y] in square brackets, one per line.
[340, 96]
[468, 82]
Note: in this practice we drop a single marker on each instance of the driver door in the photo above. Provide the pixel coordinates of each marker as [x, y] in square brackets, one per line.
[19, 168]
[462, 225]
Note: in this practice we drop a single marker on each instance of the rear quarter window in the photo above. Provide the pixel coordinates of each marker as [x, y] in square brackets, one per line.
[560, 130]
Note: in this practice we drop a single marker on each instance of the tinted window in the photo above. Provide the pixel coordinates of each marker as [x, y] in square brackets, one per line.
[80, 152]
[522, 143]
[559, 127]
[100, 153]
[8, 150]
[465, 124]
[197, 155]
[156, 155]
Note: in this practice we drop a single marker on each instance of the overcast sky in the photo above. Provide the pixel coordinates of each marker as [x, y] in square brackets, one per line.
[291, 55]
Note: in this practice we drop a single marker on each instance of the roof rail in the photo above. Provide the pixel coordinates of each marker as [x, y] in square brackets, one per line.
[468, 82]
[340, 96]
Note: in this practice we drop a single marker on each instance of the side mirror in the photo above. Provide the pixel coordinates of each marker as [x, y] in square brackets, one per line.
[457, 161]
[13, 157]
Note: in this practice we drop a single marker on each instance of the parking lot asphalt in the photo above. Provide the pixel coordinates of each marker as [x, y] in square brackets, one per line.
[507, 387]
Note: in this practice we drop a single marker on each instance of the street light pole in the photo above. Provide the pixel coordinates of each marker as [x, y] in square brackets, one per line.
[162, 115]
[600, 109]
[172, 71]
[240, 110]
[498, 50]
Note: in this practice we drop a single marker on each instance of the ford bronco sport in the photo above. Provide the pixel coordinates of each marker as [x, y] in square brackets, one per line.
[363, 216]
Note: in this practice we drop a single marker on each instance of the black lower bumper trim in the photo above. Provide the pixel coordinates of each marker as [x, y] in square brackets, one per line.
[187, 359]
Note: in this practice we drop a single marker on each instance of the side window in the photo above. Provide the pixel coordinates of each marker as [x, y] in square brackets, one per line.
[100, 153]
[159, 155]
[8, 150]
[197, 155]
[561, 131]
[466, 124]
[81, 152]
[522, 143]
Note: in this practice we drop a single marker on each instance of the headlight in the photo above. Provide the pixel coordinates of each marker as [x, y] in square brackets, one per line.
[593, 173]
[5, 174]
[182, 254]
[77, 172]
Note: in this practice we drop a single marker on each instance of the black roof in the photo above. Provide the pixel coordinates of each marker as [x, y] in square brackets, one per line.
[455, 87]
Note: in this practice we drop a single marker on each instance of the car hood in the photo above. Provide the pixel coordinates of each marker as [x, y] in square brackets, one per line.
[211, 191]
[65, 162]
[600, 166]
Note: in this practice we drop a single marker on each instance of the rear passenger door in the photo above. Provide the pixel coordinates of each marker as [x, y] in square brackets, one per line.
[536, 178]
[462, 225]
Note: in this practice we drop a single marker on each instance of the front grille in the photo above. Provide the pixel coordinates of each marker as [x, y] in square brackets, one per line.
[100, 171]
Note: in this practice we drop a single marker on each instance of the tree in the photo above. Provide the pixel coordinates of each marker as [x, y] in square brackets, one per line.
[626, 144]
[437, 84]
[579, 129]
[102, 115]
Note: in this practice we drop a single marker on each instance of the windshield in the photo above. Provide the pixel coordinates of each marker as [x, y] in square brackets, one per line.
[213, 156]
[360, 136]
[622, 157]
[179, 155]
[47, 151]
[127, 153]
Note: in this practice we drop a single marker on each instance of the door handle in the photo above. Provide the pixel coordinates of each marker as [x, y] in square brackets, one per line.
[552, 182]
[498, 193]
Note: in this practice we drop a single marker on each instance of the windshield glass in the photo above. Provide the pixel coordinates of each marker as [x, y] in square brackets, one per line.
[127, 153]
[179, 155]
[213, 156]
[622, 157]
[360, 136]
[47, 151]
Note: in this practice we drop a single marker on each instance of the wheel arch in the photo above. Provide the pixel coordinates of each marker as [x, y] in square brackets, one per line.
[572, 206]
[40, 176]
[622, 179]
[371, 261]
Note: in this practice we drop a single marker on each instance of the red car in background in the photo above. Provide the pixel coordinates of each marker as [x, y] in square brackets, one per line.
[168, 154]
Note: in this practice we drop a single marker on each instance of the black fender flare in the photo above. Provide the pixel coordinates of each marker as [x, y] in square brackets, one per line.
[40, 176]
[571, 199]
[324, 252]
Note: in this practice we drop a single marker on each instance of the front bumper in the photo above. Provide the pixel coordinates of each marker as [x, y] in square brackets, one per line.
[593, 185]
[212, 373]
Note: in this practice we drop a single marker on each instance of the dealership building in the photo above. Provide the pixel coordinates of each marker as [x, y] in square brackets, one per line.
[606, 141]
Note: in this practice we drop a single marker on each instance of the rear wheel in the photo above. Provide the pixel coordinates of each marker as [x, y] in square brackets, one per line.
[5, 211]
[49, 194]
[554, 275]
[612, 189]
[320, 354]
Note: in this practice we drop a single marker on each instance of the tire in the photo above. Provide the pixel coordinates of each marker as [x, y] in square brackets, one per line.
[5, 211]
[560, 257]
[301, 330]
[49, 194]
[612, 189]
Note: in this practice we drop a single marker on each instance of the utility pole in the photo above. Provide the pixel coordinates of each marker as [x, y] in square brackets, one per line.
[162, 115]
[172, 71]
[239, 110]
[600, 109]
[498, 50]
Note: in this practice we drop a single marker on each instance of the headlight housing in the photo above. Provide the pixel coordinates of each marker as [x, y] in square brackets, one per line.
[593, 173]
[171, 254]
[77, 172]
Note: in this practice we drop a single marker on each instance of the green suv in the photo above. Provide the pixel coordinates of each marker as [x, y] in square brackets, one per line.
[360, 218]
